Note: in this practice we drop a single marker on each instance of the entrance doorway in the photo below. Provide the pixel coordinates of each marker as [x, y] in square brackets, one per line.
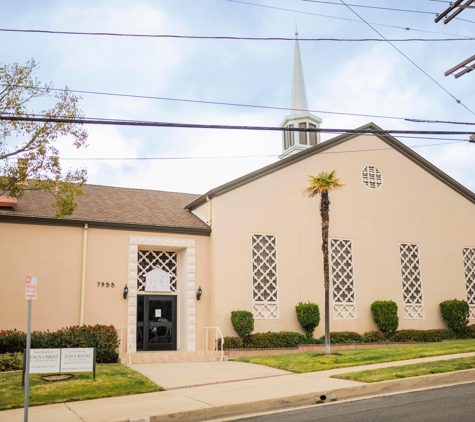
[156, 322]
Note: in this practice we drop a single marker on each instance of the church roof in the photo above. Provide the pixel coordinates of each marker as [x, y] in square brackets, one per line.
[302, 155]
[113, 207]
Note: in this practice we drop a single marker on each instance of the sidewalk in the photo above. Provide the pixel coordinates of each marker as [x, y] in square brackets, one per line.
[198, 391]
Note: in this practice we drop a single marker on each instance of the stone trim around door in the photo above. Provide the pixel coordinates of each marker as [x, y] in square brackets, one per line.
[188, 324]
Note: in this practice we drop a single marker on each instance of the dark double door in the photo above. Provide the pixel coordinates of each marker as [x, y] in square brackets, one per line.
[156, 322]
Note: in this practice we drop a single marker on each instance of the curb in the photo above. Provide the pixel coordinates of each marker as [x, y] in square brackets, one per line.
[310, 399]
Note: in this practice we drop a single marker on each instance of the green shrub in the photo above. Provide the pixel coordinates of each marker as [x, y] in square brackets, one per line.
[11, 361]
[243, 324]
[456, 313]
[471, 331]
[344, 337]
[271, 340]
[104, 338]
[385, 316]
[231, 343]
[308, 315]
[422, 336]
[374, 337]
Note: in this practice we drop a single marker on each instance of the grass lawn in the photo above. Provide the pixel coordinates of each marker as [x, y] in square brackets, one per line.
[112, 379]
[317, 361]
[407, 371]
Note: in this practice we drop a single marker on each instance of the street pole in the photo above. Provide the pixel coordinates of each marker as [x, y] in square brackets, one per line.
[27, 362]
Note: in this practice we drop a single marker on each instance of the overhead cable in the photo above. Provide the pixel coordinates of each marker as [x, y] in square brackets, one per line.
[407, 119]
[218, 37]
[345, 19]
[415, 64]
[141, 123]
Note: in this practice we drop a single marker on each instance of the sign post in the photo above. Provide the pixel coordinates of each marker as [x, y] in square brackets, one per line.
[30, 294]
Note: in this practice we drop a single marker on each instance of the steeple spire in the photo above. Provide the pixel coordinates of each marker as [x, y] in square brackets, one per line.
[299, 117]
[299, 102]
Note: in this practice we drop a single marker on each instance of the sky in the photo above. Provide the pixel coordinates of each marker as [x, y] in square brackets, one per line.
[370, 78]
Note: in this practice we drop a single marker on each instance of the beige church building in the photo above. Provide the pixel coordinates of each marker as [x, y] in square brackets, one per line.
[163, 266]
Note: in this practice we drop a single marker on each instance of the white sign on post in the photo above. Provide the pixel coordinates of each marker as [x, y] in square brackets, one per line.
[31, 284]
[77, 360]
[44, 360]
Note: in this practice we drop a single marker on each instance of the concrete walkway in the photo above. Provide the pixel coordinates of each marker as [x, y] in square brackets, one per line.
[198, 391]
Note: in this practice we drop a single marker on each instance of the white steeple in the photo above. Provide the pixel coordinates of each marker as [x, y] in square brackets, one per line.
[299, 117]
[299, 94]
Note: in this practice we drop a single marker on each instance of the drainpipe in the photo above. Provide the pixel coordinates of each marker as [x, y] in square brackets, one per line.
[83, 274]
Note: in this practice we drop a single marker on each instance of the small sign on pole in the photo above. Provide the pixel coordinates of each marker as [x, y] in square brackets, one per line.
[31, 284]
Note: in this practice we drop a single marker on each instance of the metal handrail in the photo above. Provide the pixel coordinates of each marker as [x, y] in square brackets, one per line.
[218, 332]
[129, 345]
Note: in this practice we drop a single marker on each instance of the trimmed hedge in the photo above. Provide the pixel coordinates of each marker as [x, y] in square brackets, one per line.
[243, 324]
[385, 316]
[374, 337]
[423, 336]
[308, 315]
[11, 362]
[456, 313]
[344, 337]
[103, 337]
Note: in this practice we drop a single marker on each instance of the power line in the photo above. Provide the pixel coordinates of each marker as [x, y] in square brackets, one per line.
[202, 37]
[416, 65]
[378, 7]
[371, 7]
[141, 123]
[407, 119]
[344, 19]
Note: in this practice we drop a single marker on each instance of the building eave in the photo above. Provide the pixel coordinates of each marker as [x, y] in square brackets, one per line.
[385, 137]
[111, 225]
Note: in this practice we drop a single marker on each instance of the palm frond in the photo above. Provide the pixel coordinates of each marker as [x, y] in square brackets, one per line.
[322, 182]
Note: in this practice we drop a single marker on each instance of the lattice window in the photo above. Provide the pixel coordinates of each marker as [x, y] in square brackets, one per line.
[149, 260]
[469, 270]
[343, 280]
[264, 277]
[372, 177]
[411, 281]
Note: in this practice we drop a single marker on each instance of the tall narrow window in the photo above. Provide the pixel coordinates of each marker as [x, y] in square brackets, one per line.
[303, 135]
[469, 270]
[291, 135]
[264, 277]
[411, 281]
[343, 280]
[312, 135]
[149, 260]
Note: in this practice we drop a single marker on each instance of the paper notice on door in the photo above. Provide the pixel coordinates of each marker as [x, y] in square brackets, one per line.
[158, 313]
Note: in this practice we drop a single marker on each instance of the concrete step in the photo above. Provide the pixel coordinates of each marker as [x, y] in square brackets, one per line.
[170, 356]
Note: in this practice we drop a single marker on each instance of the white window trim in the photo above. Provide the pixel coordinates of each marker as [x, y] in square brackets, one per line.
[378, 169]
[276, 303]
[354, 284]
[471, 306]
[402, 282]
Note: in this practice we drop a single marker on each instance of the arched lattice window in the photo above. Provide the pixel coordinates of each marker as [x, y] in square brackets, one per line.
[264, 277]
[372, 177]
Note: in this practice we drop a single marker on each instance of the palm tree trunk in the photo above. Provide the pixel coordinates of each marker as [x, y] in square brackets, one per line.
[325, 215]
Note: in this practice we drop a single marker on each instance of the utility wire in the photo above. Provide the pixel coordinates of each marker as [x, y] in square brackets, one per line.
[380, 8]
[345, 19]
[202, 37]
[371, 7]
[407, 119]
[416, 65]
[141, 123]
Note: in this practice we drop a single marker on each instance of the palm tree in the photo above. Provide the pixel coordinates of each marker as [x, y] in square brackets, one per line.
[322, 184]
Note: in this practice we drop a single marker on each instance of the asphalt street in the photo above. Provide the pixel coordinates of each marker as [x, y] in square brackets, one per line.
[455, 403]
